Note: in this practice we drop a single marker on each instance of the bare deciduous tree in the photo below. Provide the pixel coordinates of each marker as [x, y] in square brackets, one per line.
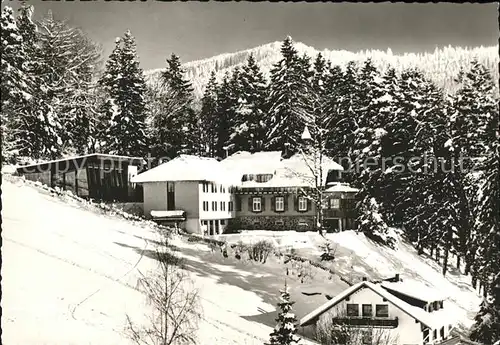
[175, 308]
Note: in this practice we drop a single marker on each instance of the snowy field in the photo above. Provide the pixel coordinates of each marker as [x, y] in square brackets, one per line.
[69, 277]
[358, 257]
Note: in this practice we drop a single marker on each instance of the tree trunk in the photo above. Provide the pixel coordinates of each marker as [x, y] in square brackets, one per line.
[458, 262]
[445, 261]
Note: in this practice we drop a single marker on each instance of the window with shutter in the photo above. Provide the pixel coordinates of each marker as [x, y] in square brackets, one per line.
[279, 204]
[302, 204]
[257, 204]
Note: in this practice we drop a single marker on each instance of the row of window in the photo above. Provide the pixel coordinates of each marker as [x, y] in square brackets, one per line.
[208, 187]
[230, 206]
[381, 310]
[279, 204]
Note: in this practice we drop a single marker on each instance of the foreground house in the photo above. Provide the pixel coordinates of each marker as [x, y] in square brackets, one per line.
[94, 176]
[244, 191]
[397, 313]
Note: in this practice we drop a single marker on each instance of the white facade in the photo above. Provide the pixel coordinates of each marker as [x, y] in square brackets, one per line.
[216, 206]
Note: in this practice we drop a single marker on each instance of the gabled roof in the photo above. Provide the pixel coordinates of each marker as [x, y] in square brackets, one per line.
[416, 290]
[432, 320]
[188, 168]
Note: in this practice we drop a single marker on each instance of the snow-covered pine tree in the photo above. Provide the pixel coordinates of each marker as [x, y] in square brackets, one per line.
[14, 91]
[69, 60]
[184, 134]
[174, 77]
[420, 123]
[475, 107]
[227, 104]
[366, 154]
[370, 222]
[486, 328]
[124, 109]
[288, 94]
[249, 126]
[341, 102]
[285, 331]
[486, 230]
[209, 117]
[40, 130]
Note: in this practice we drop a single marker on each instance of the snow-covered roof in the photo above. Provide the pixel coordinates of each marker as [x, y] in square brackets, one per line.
[188, 168]
[300, 169]
[137, 160]
[243, 162]
[168, 214]
[341, 187]
[416, 290]
[296, 171]
[433, 320]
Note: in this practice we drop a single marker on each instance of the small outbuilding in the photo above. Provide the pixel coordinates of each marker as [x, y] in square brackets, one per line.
[94, 176]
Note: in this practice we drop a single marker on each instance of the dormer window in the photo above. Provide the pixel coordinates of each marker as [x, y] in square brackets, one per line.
[264, 177]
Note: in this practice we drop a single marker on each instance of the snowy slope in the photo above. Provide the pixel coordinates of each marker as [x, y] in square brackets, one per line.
[357, 257]
[442, 65]
[69, 277]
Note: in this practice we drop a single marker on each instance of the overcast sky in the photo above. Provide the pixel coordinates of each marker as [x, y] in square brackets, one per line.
[196, 30]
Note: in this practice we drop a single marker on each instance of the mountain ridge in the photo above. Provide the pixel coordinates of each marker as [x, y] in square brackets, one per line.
[441, 66]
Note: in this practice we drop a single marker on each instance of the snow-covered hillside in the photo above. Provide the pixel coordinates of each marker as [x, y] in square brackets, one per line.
[442, 65]
[70, 274]
[70, 277]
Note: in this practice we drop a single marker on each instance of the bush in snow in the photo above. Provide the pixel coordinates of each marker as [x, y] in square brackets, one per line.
[260, 251]
[328, 251]
[285, 331]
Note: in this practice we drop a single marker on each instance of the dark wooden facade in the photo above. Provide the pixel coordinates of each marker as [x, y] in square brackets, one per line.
[95, 176]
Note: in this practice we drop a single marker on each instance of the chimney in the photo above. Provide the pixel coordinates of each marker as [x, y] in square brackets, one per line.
[396, 278]
[365, 279]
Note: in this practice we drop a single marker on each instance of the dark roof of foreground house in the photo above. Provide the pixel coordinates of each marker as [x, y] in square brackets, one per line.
[432, 320]
[79, 161]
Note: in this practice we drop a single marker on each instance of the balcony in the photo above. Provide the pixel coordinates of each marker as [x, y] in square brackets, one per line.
[367, 321]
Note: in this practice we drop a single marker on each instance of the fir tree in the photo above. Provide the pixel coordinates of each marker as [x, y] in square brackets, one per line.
[486, 231]
[285, 331]
[40, 128]
[249, 123]
[209, 117]
[14, 91]
[68, 62]
[227, 105]
[341, 101]
[184, 132]
[371, 223]
[288, 94]
[125, 107]
[487, 321]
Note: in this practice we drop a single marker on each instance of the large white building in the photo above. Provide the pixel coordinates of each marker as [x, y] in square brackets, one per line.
[399, 313]
[247, 190]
